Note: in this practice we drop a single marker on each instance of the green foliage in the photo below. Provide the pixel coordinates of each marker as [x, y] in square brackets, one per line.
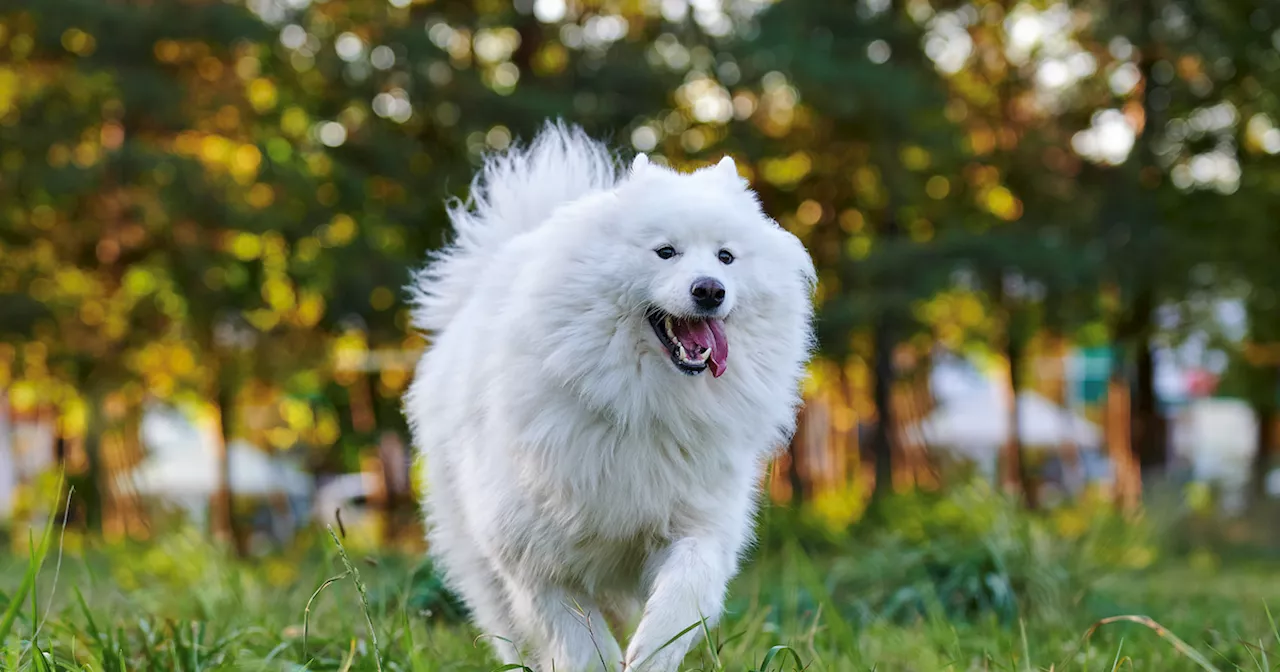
[787, 611]
[963, 555]
[429, 597]
[170, 171]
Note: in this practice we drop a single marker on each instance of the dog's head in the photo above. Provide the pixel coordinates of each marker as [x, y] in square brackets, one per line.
[645, 289]
[702, 265]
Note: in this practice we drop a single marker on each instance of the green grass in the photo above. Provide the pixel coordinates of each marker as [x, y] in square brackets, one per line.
[1002, 598]
[176, 606]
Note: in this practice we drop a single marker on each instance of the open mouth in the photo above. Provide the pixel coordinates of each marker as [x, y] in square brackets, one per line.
[695, 344]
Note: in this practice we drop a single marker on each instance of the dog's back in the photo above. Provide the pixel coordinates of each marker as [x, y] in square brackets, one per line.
[514, 192]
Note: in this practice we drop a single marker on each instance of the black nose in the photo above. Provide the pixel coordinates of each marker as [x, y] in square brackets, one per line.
[708, 293]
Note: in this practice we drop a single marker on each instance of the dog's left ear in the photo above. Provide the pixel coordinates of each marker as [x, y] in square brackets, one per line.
[727, 169]
[639, 163]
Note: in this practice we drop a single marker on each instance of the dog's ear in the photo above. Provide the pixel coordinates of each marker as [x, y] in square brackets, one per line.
[640, 163]
[728, 170]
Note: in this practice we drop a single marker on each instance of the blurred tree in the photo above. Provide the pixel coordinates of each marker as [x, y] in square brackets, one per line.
[1238, 254]
[1170, 66]
[221, 201]
[854, 145]
[244, 187]
[1030, 252]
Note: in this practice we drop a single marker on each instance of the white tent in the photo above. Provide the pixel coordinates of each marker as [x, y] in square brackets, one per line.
[342, 492]
[183, 465]
[979, 424]
[1219, 437]
[253, 472]
[972, 417]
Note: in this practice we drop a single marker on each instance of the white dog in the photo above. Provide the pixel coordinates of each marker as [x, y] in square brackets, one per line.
[580, 463]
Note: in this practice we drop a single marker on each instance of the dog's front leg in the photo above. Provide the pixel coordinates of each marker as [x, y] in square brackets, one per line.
[688, 587]
[568, 630]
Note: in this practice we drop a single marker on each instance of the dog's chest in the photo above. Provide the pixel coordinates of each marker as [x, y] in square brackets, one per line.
[628, 502]
[602, 499]
[609, 511]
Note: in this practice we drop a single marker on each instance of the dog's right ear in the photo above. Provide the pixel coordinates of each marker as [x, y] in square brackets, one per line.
[640, 163]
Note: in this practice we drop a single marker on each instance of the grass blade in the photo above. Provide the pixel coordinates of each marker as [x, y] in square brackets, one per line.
[775, 653]
[306, 613]
[364, 599]
[1161, 632]
[34, 564]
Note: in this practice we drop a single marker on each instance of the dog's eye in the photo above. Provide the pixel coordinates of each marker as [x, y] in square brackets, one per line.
[665, 252]
[726, 257]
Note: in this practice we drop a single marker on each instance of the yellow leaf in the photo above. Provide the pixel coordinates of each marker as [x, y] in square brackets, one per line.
[307, 249]
[809, 212]
[72, 281]
[92, 313]
[167, 51]
[786, 171]
[262, 94]
[260, 196]
[74, 417]
[264, 320]
[915, 158]
[297, 414]
[139, 281]
[245, 246]
[245, 163]
[921, 230]
[23, 396]
[182, 361]
[214, 150]
[859, 247]
[381, 298]
[310, 309]
[294, 122]
[341, 230]
[394, 379]
[282, 437]
[278, 294]
[1002, 203]
[550, 60]
[8, 90]
[852, 221]
[78, 42]
[937, 187]
[327, 430]
[320, 165]
[86, 154]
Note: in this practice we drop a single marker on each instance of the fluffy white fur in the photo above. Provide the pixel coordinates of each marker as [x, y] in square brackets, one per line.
[573, 472]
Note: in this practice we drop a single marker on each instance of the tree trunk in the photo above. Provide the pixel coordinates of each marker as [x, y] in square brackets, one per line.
[1148, 434]
[1264, 408]
[1015, 465]
[396, 479]
[88, 492]
[1266, 414]
[1148, 431]
[222, 519]
[882, 438]
[794, 478]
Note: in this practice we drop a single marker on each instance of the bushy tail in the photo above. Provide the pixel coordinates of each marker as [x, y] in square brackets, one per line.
[514, 192]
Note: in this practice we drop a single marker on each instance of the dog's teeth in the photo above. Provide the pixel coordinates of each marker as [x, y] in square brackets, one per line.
[670, 327]
[706, 354]
[680, 352]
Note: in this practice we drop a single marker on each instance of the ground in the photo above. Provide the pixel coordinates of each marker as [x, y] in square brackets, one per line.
[179, 604]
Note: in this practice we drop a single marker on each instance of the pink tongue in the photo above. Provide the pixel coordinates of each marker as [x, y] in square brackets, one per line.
[704, 335]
